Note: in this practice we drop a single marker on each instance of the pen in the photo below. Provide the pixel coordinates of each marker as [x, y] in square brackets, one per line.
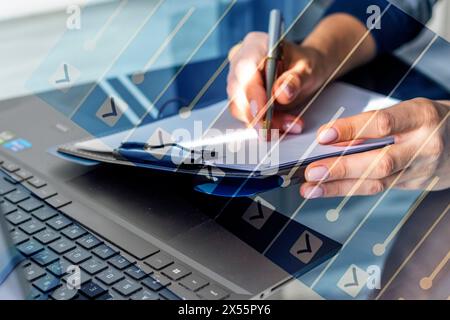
[273, 57]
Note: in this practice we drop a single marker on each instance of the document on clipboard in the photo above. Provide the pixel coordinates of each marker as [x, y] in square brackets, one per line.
[211, 137]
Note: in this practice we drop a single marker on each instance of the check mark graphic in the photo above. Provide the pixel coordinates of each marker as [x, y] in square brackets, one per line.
[355, 282]
[260, 214]
[113, 112]
[308, 246]
[66, 75]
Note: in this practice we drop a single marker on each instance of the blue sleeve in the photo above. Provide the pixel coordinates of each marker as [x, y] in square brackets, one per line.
[397, 27]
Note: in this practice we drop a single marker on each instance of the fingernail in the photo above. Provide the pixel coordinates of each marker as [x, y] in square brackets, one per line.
[313, 192]
[254, 108]
[289, 91]
[328, 136]
[317, 174]
[291, 127]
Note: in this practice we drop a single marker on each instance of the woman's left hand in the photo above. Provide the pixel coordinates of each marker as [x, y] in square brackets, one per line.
[421, 152]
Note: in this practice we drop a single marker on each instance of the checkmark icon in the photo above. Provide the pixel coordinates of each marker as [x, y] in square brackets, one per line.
[355, 282]
[113, 112]
[258, 213]
[66, 75]
[306, 247]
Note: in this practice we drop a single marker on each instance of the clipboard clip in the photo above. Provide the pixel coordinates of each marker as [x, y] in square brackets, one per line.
[143, 152]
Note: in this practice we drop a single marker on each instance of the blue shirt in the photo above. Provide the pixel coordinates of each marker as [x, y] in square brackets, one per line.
[397, 27]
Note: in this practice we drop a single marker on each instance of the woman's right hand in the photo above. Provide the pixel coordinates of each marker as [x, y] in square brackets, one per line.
[302, 73]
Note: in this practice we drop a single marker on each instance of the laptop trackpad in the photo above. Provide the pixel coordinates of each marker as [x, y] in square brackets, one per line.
[160, 204]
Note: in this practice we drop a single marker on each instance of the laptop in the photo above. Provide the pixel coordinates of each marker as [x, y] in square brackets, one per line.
[97, 231]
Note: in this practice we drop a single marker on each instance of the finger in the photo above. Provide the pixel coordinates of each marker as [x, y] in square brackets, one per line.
[233, 51]
[294, 81]
[256, 97]
[374, 164]
[245, 86]
[287, 87]
[400, 118]
[341, 188]
[287, 123]
[246, 101]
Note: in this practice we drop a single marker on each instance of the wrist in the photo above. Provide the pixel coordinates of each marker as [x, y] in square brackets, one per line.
[341, 37]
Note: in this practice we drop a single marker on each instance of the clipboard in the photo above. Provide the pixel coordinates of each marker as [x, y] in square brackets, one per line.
[144, 147]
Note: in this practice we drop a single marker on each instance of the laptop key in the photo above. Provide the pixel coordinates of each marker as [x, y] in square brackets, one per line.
[212, 292]
[17, 196]
[127, 287]
[119, 262]
[62, 246]
[37, 182]
[145, 295]
[21, 175]
[59, 222]
[115, 295]
[74, 280]
[18, 237]
[30, 247]
[44, 258]
[6, 187]
[33, 272]
[92, 290]
[74, 232]
[47, 236]
[147, 270]
[136, 273]
[89, 241]
[64, 293]
[177, 292]
[58, 201]
[104, 252]
[32, 226]
[169, 295]
[156, 282]
[106, 296]
[158, 261]
[44, 192]
[44, 213]
[30, 204]
[193, 282]
[7, 208]
[93, 266]
[10, 167]
[77, 256]
[176, 272]
[110, 276]
[58, 268]
[18, 217]
[47, 283]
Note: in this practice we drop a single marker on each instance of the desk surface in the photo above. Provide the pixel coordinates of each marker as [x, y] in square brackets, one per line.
[25, 44]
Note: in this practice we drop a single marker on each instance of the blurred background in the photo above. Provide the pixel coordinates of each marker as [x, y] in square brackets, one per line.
[30, 30]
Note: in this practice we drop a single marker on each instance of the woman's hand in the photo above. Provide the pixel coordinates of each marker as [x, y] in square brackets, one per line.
[421, 152]
[302, 72]
[304, 69]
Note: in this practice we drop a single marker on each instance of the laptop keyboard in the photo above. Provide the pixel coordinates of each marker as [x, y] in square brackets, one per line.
[57, 251]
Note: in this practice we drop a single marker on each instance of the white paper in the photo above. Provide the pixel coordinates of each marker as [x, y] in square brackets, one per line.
[337, 101]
